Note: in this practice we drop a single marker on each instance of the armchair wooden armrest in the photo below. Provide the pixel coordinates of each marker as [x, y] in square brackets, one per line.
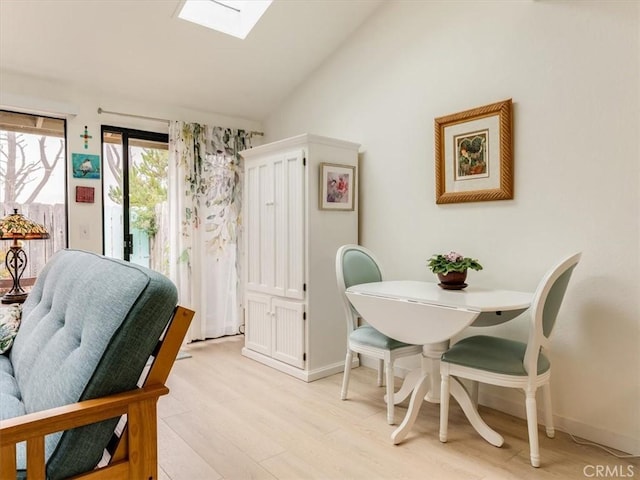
[140, 407]
[135, 455]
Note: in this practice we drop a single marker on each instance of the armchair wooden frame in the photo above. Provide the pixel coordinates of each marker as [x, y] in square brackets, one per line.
[134, 454]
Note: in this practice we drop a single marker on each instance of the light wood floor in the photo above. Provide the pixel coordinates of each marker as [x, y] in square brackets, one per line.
[229, 417]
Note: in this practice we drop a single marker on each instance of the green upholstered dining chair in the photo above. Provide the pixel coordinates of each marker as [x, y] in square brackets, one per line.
[508, 363]
[356, 265]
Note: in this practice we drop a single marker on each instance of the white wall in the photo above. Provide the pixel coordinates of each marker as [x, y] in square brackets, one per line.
[21, 92]
[572, 69]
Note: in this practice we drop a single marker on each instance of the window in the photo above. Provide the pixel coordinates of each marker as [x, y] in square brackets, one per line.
[233, 17]
[33, 180]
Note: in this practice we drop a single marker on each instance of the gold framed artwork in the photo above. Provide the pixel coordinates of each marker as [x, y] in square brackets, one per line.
[474, 159]
[337, 187]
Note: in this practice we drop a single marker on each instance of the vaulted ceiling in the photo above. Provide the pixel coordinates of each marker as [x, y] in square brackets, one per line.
[139, 49]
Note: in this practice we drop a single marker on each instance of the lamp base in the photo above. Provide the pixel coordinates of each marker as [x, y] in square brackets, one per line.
[16, 262]
[10, 297]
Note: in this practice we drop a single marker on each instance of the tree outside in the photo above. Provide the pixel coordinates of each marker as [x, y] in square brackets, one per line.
[27, 163]
[32, 180]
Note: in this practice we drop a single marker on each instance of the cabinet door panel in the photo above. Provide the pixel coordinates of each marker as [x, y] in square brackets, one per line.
[288, 174]
[275, 203]
[259, 322]
[295, 201]
[288, 332]
[259, 226]
[265, 231]
[280, 226]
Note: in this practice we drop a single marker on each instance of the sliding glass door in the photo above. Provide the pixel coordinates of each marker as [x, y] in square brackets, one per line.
[135, 196]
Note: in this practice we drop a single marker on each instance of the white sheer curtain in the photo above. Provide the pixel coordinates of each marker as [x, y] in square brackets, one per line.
[205, 195]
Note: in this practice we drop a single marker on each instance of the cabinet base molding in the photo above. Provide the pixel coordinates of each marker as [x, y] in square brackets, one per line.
[304, 375]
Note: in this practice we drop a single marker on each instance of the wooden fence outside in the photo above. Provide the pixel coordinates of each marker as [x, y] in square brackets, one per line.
[151, 252]
[54, 218]
[159, 243]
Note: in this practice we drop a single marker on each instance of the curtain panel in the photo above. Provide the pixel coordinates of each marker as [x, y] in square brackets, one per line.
[205, 203]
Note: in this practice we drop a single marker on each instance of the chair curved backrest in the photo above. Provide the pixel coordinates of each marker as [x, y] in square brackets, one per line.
[355, 265]
[545, 307]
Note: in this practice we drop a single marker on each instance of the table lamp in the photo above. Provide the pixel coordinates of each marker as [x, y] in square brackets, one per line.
[16, 227]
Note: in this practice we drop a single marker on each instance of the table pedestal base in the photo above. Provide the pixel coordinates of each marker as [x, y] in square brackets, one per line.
[424, 385]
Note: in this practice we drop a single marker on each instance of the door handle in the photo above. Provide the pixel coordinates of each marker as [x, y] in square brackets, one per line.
[129, 243]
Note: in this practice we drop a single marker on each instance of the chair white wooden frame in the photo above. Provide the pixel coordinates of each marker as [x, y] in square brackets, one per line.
[369, 344]
[469, 358]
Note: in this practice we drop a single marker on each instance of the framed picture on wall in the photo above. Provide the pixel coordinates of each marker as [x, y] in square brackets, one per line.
[337, 187]
[85, 194]
[473, 155]
[85, 166]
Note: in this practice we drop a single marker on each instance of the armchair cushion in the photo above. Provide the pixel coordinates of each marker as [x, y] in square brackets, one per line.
[10, 403]
[492, 354]
[88, 328]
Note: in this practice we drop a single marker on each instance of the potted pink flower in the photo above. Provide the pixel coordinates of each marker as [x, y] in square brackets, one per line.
[451, 269]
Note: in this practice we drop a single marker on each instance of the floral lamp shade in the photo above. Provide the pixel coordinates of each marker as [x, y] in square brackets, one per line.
[17, 227]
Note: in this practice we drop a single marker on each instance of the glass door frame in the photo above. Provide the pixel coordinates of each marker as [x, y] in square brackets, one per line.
[126, 134]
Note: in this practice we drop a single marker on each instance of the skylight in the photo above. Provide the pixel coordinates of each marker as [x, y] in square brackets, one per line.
[233, 17]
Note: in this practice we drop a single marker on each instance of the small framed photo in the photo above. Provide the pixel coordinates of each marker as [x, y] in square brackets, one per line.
[337, 186]
[85, 194]
[85, 166]
[473, 151]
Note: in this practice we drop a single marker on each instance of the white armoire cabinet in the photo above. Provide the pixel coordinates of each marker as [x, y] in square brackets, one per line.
[294, 319]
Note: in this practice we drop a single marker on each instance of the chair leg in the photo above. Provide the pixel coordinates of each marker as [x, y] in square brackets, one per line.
[548, 411]
[380, 373]
[444, 406]
[390, 388]
[474, 393]
[347, 374]
[532, 423]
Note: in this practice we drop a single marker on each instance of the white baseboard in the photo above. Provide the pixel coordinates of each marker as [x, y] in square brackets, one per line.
[328, 370]
[305, 375]
[579, 429]
[568, 425]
